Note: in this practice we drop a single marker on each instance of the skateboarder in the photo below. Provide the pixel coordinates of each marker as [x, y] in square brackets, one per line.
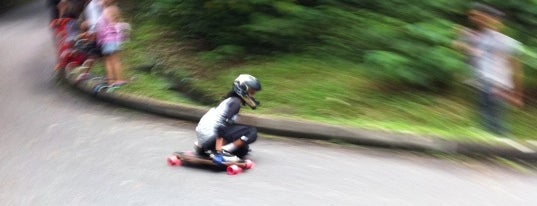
[217, 133]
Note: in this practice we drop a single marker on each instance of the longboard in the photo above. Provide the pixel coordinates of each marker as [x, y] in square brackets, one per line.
[190, 158]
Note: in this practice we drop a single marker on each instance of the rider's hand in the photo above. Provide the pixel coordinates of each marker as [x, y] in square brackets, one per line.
[218, 158]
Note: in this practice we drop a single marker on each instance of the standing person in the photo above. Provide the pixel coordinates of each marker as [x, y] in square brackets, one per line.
[498, 71]
[109, 29]
[92, 12]
[217, 133]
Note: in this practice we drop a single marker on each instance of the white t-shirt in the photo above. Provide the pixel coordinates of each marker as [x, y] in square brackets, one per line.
[92, 12]
[220, 117]
[494, 50]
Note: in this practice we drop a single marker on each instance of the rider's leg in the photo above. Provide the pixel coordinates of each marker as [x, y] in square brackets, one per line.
[239, 136]
[205, 141]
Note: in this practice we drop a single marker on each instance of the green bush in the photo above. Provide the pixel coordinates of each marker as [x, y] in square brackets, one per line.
[401, 41]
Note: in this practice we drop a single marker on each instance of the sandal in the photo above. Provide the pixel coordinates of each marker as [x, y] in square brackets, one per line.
[82, 76]
[118, 83]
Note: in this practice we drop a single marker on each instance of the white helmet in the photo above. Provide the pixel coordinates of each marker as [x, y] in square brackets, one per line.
[243, 85]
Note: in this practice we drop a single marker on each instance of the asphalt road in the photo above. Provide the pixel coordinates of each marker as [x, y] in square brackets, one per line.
[61, 147]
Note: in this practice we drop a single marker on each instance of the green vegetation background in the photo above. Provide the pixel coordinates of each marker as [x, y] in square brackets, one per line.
[370, 64]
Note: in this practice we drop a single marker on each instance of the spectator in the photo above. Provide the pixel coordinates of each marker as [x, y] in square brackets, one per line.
[92, 12]
[65, 31]
[498, 71]
[110, 35]
[86, 41]
[86, 46]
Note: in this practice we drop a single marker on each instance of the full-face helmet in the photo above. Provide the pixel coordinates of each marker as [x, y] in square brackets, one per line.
[246, 86]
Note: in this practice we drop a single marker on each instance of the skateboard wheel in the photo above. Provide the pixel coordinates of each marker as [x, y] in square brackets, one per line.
[249, 164]
[233, 170]
[174, 161]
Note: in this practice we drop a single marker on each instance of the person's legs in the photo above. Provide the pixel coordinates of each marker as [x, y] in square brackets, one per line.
[491, 108]
[238, 137]
[209, 144]
[108, 67]
[116, 61]
[241, 152]
[497, 107]
[206, 140]
[483, 103]
[113, 63]
[108, 51]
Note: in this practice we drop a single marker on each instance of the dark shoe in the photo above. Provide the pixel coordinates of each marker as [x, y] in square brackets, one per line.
[229, 157]
[199, 151]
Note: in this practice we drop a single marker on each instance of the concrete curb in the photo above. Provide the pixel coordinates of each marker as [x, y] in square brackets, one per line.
[505, 148]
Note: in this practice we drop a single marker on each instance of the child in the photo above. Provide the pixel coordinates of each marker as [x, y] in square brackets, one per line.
[217, 131]
[109, 38]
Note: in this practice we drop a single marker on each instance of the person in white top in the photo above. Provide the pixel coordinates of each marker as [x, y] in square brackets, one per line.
[498, 71]
[218, 135]
[92, 12]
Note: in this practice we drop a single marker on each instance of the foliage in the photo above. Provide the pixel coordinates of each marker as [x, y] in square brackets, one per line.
[335, 89]
[400, 41]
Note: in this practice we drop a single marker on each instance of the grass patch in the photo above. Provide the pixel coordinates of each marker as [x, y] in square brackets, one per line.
[339, 92]
[306, 87]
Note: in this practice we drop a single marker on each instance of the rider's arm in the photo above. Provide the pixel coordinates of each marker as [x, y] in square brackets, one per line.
[231, 108]
[219, 143]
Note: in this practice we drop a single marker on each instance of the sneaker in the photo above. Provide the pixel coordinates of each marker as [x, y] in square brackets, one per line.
[118, 83]
[230, 157]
